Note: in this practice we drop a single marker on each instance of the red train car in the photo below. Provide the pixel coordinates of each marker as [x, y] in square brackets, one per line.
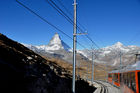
[114, 77]
[110, 77]
[128, 78]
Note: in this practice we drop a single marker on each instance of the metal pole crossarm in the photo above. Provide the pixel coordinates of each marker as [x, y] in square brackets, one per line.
[80, 34]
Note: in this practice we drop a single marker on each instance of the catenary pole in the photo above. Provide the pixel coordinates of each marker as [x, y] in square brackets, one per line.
[74, 47]
[120, 60]
[92, 67]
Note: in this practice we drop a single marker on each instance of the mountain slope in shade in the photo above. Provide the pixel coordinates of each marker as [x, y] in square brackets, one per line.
[23, 71]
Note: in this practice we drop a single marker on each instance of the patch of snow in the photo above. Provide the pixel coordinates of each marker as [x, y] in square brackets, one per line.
[125, 50]
[118, 45]
[81, 52]
[106, 52]
[55, 40]
[42, 47]
[44, 75]
[115, 63]
[54, 47]
[134, 65]
[29, 58]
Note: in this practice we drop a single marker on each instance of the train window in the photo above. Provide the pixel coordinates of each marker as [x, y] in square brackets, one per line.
[139, 80]
[115, 77]
[125, 78]
[120, 77]
[110, 75]
[132, 81]
[129, 80]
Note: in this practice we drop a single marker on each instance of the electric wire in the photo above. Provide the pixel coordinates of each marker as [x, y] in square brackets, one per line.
[48, 22]
[78, 23]
[70, 13]
[71, 16]
[61, 12]
[69, 19]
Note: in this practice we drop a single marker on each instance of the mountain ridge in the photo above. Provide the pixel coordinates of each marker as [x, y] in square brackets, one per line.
[58, 48]
[56, 43]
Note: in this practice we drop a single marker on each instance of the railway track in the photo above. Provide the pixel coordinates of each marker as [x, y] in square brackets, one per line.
[103, 87]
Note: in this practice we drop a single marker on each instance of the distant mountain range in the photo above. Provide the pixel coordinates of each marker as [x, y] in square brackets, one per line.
[111, 54]
[56, 48]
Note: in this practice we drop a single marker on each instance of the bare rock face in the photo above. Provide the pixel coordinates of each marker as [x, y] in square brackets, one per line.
[23, 71]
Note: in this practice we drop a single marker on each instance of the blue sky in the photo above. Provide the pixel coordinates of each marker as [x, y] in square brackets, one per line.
[107, 21]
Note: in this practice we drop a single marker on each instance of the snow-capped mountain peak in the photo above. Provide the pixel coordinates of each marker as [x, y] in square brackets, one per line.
[117, 47]
[55, 40]
[55, 44]
[118, 44]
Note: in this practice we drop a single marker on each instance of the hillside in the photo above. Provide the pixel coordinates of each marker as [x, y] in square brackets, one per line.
[84, 69]
[59, 52]
[23, 71]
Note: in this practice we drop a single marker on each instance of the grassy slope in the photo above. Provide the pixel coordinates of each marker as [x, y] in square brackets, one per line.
[85, 69]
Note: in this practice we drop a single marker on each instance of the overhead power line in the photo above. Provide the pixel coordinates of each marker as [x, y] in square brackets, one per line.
[70, 13]
[79, 24]
[43, 19]
[59, 10]
[67, 10]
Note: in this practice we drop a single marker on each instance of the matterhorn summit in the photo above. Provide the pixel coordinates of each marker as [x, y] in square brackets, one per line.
[57, 44]
[56, 48]
[56, 40]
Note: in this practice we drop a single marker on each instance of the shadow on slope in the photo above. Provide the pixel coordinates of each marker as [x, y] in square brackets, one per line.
[23, 71]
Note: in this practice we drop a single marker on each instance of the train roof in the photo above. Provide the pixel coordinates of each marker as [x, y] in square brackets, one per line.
[115, 71]
[133, 67]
